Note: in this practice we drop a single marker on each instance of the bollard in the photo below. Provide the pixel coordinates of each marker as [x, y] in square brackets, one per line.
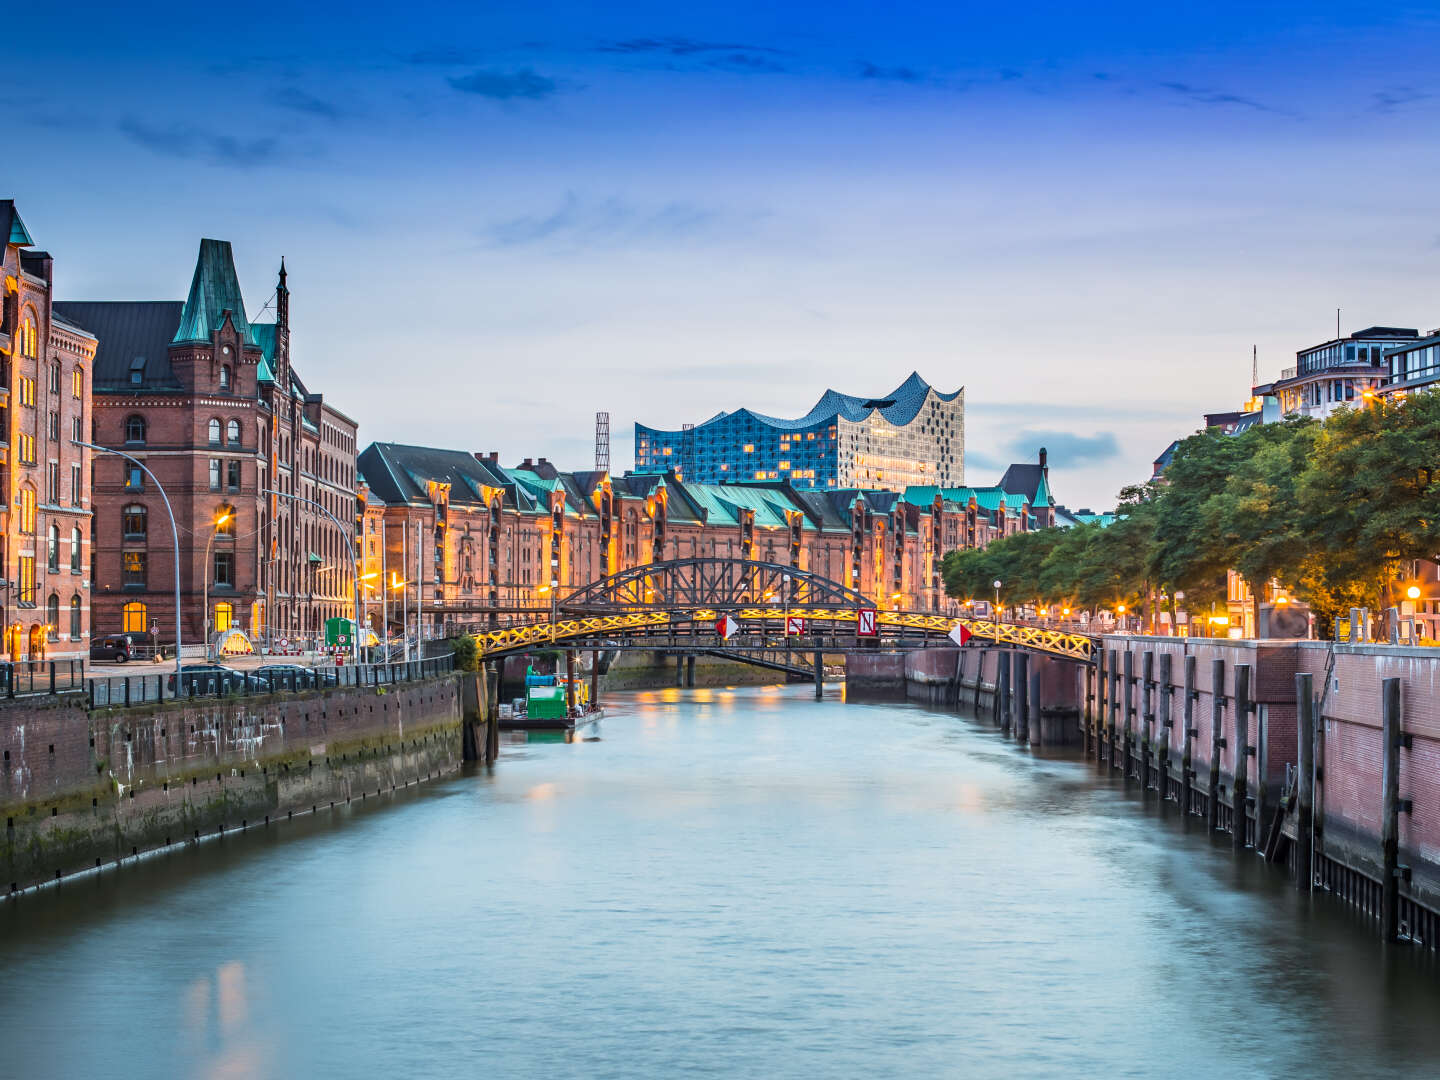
[1390, 811]
[1305, 782]
[1217, 718]
[1240, 790]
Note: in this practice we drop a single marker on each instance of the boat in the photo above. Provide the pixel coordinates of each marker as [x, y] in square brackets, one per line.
[545, 708]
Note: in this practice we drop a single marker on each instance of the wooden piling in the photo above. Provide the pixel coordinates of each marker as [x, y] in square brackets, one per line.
[1114, 708]
[1034, 733]
[1217, 720]
[1187, 717]
[1097, 715]
[569, 682]
[819, 675]
[979, 679]
[594, 677]
[1167, 705]
[1240, 789]
[1129, 691]
[492, 724]
[690, 670]
[1390, 811]
[1147, 715]
[1003, 689]
[1022, 695]
[1305, 782]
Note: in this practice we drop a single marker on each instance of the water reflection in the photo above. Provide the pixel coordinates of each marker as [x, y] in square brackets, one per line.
[732, 881]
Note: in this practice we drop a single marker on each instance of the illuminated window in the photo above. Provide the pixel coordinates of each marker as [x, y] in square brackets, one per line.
[224, 617]
[724, 467]
[27, 449]
[133, 618]
[77, 382]
[29, 343]
[75, 617]
[760, 475]
[25, 585]
[749, 448]
[666, 451]
[132, 567]
[783, 465]
[27, 390]
[27, 510]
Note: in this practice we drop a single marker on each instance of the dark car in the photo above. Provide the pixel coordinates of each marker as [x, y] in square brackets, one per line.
[284, 676]
[209, 679]
[117, 647]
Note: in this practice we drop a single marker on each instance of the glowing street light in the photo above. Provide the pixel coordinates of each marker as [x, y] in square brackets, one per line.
[1413, 592]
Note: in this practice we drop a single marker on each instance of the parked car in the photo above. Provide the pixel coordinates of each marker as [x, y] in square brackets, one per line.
[216, 679]
[117, 647]
[283, 676]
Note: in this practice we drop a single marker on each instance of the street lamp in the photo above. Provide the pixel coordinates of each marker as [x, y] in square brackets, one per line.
[220, 519]
[354, 569]
[998, 583]
[174, 536]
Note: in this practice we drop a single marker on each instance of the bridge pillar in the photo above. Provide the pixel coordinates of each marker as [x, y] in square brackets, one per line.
[819, 675]
[1002, 691]
[594, 677]
[679, 669]
[1022, 696]
[690, 672]
[1036, 727]
[569, 682]
[492, 725]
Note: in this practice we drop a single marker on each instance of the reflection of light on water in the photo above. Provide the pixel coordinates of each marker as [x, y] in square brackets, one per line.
[230, 995]
[541, 792]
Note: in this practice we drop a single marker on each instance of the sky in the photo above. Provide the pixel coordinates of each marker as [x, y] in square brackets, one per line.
[498, 219]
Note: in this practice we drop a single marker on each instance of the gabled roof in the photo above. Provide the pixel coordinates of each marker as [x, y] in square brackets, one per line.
[398, 473]
[1027, 479]
[11, 227]
[214, 290]
[127, 331]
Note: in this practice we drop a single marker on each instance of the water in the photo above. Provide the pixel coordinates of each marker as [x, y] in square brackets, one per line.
[727, 883]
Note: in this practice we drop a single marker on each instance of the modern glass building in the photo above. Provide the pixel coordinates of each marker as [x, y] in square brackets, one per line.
[913, 435]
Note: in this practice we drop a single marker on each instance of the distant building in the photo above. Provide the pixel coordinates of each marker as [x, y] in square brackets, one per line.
[46, 361]
[913, 435]
[1339, 372]
[1413, 365]
[210, 402]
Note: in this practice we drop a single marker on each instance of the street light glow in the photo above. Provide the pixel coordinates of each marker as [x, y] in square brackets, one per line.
[1413, 592]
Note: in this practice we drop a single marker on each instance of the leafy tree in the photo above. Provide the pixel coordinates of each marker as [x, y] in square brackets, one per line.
[467, 654]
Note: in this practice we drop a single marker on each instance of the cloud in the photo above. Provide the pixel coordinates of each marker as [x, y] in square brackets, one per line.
[1387, 101]
[1202, 96]
[524, 85]
[604, 223]
[226, 151]
[297, 100]
[682, 46]
[889, 74]
[1065, 448]
[441, 56]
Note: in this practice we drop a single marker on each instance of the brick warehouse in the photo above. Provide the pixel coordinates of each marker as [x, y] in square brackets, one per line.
[213, 406]
[45, 478]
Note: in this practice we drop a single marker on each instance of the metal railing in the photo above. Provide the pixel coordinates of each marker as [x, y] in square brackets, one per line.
[27, 677]
[125, 691]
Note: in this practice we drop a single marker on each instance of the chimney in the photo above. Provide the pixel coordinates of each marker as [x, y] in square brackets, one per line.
[494, 457]
[1042, 457]
[527, 464]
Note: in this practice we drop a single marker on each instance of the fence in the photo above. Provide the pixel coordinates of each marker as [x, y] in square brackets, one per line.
[23, 678]
[129, 690]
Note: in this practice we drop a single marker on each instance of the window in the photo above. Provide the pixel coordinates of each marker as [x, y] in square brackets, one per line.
[27, 510]
[75, 633]
[27, 449]
[137, 371]
[134, 522]
[77, 429]
[54, 426]
[224, 617]
[214, 432]
[226, 518]
[54, 374]
[232, 432]
[75, 550]
[52, 483]
[134, 478]
[232, 475]
[52, 550]
[29, 336]
[27, 390]
[224, 376]
[135, 429]
[77, 382]
[133, 618]
[224, 575]
[76, 489]
[215, 473]
[132, 568]
[25, 583]
[52, 617]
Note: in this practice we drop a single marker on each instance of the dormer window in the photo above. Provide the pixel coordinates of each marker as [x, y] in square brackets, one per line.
[137, 371]
[224, 376]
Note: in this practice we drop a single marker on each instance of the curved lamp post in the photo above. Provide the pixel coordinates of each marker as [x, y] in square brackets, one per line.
[354, 568]
[220, 519]
[174, 536]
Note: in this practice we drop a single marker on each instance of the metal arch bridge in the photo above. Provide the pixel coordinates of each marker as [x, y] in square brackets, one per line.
[674, 605]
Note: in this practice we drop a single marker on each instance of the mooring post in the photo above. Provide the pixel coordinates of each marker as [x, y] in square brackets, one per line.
[1217, 739]
[492, 725]
[1147, 713]
[1114, 708]
[569, 682]
[1097, 716]
[1305, 782]
[594, 677]
[1022, 695]
[1004, 688]
[1240, 790]
[1129, 692]
[1390, 811]
[819, 673]
[984, 655]
[1187, 717]
[1035, 734]
[1167, 705]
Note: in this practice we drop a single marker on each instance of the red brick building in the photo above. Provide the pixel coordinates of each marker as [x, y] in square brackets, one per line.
[45, 478]
[213, 407]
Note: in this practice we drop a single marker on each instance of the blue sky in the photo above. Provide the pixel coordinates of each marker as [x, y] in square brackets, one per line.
[502, 218]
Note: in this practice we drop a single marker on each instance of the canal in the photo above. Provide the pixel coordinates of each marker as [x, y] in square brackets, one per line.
[728, 883]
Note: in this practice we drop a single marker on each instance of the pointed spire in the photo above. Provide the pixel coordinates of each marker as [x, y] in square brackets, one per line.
[214, 290]
[282, 273]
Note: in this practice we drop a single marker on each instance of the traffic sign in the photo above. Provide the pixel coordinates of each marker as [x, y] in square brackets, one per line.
[794, 626]
[865, 622]
[726, 626]
[960, 633]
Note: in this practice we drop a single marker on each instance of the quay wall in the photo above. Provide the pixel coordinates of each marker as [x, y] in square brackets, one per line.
[80, 789]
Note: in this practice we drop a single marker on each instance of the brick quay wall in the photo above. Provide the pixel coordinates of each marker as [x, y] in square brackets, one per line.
[81, 789]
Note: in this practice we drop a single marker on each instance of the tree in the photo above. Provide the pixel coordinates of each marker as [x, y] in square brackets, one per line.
[467, 653]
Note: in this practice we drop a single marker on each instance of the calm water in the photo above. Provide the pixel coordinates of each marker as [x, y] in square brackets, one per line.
[728, 883]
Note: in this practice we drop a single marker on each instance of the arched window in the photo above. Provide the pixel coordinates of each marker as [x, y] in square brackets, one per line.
[134, 429]
[75, 550]
[52, 617]
[224, 376]
[232, 432]
[75, 632]
[214, 432]
[133, 522]
[52, 554]
[224, 617]
[77, 382]
[29, 335]
[134, 620]
[225, 520]
[27, 510]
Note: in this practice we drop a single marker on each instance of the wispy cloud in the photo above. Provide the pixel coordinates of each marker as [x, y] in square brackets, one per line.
[441, 56]
[521, 85]
[1065, 448]
[1396, 97]
[1204, 96]
[609, 222]
[297, 100]
[683, 46]
[889, 74]
[225, 151]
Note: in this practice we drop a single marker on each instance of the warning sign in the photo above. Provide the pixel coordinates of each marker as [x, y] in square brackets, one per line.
[865, 622]
[794, 626]
[726, 626]
[960, 634]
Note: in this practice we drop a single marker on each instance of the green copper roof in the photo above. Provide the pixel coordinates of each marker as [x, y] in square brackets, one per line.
[263, 334]
[214, 290]
[18, 233]
[1042, 493]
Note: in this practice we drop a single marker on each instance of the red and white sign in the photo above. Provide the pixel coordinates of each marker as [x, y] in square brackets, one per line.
[865, 622]
[794, 626]
[726, 626]
[960, 634]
